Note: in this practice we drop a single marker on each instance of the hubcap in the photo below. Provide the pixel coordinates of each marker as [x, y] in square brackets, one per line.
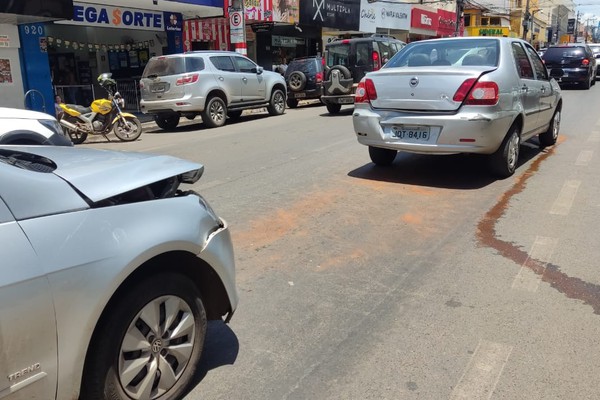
[217, 113]
[295, 81]
[513, 151]
[556, 125]
[156, 348]
[279, 102]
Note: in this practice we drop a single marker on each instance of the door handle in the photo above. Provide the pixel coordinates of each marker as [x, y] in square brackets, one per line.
[221, 78]
[245, 79]
[524, 88]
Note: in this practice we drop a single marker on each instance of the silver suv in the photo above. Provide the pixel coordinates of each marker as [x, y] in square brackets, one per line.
[213, 84]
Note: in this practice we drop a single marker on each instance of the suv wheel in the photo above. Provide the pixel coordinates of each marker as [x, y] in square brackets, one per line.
[277, 104]
[297, 81]
[292, 103]
[214, 113]
[167, 121]
[333, 108]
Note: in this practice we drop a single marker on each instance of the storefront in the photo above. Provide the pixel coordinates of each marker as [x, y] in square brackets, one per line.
[385, 18]
[424, 24]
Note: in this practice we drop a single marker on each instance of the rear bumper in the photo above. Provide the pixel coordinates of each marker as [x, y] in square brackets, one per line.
[341, 99]
[305, 94]
[186, 104]
[570, 75]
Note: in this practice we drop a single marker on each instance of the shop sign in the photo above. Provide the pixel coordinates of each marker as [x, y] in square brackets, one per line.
[283, 41]
[338, 14]
[384, 15]
[493, 31]
[262, 27]
[424, 19]
[116, 17]
[447, 23]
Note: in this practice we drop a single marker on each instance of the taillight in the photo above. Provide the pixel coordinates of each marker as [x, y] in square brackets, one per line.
[187, 79]
[319, 77]
[585, 62]
[477, 93]
[464, 89]
[376, 61]
[365, 92]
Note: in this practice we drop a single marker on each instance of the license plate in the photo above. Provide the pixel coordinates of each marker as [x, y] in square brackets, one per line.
[299, 95]
[346, 100]
[411, 133]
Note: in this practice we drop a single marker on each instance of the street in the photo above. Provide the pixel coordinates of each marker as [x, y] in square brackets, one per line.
[426, 280]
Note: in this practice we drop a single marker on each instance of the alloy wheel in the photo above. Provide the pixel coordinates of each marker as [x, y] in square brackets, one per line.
[513, 151]
[217, 112]
[556, 125]
[279, 102]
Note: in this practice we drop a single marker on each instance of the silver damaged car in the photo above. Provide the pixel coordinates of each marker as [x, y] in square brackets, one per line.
[459, 95]
[110, 270]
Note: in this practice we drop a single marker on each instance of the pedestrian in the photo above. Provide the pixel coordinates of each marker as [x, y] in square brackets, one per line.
[57, 108]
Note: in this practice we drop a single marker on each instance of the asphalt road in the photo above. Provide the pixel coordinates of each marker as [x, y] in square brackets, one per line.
[425, 280]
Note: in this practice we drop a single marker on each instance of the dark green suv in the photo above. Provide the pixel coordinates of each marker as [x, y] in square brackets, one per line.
[348, 60]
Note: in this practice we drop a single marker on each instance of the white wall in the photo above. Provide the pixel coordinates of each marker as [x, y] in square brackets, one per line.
[11, 94]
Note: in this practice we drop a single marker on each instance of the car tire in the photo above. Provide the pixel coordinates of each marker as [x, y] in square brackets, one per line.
[588, 82]
[235, 114]
[344, 71]
[549, 137]
[297, 81]
[382, 157]
[167, 122]
[164, 306]
[128, 129]
[214, 113]
[333, 108]
[292, 103]
[277, 103]
[503, 162]
[77, 137]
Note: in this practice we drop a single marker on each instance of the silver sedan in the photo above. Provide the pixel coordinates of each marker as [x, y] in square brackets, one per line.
[458, 95]
[109, 273]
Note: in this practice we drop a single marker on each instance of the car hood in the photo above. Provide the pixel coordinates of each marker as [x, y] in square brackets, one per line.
[101, 174]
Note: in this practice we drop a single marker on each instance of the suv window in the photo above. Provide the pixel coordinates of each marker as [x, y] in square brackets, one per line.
[223, 63]
[558, 53]
[338, 54]
[308, 66]
[163, 66]
[244, 65]
[362, 53]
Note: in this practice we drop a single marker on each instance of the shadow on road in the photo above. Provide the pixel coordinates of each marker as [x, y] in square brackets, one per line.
[344, 112]
[221, 347]
[460, 171]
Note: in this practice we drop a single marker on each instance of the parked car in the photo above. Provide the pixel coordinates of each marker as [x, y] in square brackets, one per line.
[110, 270]
[304, 79]
[19, 126]
[595, 47]
[542, 50]
[571, 63]
[456, 95]
[212, 84]
[348, 61]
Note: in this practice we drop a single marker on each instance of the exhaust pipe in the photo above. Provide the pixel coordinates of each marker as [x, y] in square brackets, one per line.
[71, 126]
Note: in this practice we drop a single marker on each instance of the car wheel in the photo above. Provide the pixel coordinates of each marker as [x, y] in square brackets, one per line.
[77, 137]
[167, 121]
[549, 137]
[292, 103]
[277, 104]
[382, 157]
[297, 81]
[214, 112]
[588, 83]
[234, 114]
[504, 161]
[128, 129]
[333, 108]
[149, 344]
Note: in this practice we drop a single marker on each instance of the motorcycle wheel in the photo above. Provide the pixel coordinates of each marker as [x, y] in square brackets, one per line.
[128, 129]
[77, 137]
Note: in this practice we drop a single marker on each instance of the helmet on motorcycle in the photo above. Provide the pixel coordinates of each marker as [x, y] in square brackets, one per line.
[105, 79]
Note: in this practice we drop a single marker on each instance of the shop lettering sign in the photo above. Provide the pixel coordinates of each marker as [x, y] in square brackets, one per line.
[384, 15]
[425, 19]
[338, 14]
[491, 32]
[116, 17]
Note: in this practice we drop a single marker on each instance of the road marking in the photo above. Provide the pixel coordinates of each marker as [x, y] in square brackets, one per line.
[594, 137]
[562, 205]
[584, 157]
[530, 274]
[483, 371]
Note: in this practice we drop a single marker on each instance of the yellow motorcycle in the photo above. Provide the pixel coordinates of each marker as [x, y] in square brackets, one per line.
[102, 117]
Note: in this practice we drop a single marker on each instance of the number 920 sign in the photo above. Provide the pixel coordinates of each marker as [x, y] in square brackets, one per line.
[36, 30]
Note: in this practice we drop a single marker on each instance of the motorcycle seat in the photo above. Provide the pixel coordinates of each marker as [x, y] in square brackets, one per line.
[80, 109]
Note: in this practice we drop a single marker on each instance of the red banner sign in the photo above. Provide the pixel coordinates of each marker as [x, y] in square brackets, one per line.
[424, 19]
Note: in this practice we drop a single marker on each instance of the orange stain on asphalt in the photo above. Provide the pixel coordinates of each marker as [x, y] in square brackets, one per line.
[412, 219]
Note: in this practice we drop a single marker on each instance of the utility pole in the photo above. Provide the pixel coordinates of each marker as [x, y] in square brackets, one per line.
[576, 28]
[459, 11]
[526, 20]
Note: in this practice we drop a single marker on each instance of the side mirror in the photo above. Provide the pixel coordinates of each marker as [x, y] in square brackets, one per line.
[258, 70]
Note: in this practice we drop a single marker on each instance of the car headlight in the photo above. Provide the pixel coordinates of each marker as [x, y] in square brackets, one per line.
[53, 125]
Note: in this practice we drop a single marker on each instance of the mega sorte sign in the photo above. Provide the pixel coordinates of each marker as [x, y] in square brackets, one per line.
[116, 17]
[384, 15]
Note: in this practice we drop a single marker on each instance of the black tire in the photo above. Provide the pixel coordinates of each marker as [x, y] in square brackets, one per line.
[277, 103]
[297, 81]
[128, 129]
[333, 108]
[382, 157]
[292, 103]
[77, 137]
[214, 113]
[343, 70]
[102, 377]
[588, 83]
[167, 122]
[503, 162]
[549, 137]
[234, 114]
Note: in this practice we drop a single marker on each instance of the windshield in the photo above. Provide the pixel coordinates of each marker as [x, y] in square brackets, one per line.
[458, 52]
[163, 66]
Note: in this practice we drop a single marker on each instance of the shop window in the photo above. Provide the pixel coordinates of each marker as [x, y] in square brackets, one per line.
[467, 19]
[223, 63]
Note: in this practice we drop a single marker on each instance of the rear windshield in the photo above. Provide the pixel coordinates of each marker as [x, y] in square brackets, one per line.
[338, 54]
[447, 53]
[557, 53]
[308, 66]
[163, 66]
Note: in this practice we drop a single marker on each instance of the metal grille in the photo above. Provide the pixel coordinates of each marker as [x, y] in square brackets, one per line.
[130, 90]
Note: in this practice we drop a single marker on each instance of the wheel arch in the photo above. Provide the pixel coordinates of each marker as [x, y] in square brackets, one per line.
[22, 137]
[281, 87]
[219, 93]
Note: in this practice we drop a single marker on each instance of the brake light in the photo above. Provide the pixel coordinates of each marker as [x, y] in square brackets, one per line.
[585, 62]
[477, 93]
[319, 77]
[345, 41]
[365, 92]
[376, 61]
[187, 79]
